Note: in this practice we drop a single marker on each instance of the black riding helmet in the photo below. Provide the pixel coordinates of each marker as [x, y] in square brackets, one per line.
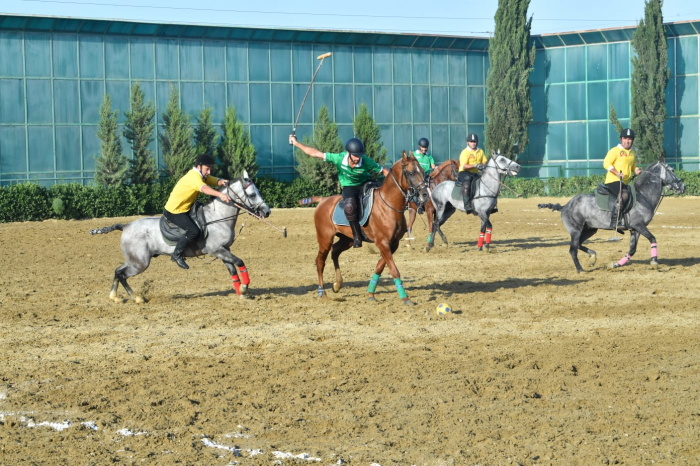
[473, 137]
[627, 133]
[423, 142]
[205, 159]
[355, 147]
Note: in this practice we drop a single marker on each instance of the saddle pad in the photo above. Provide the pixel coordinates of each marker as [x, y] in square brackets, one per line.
[457, 189]
[366, 202]
[604, 203]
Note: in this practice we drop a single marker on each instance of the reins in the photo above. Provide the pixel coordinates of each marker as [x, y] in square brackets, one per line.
[408, 194]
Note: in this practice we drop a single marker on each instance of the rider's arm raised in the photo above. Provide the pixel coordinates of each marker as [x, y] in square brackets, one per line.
[310, 151]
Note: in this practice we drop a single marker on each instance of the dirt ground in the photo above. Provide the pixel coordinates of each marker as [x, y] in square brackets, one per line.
[536, 365]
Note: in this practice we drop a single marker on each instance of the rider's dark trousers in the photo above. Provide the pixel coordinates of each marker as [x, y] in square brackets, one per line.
[614, 188]
[466, 178]
[184, 221]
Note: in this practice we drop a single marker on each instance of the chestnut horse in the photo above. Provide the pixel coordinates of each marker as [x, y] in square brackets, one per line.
[386, 225]
[447, 170]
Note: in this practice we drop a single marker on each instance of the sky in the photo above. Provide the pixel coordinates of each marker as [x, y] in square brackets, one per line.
[441, 17]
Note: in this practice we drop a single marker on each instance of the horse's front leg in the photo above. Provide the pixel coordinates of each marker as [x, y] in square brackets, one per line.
[484, 233]
[387, 249]
[240, 283]
[634, 238]
[343, 244]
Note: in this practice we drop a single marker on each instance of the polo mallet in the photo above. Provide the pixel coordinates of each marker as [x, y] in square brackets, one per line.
[320, 57]
[617, 219]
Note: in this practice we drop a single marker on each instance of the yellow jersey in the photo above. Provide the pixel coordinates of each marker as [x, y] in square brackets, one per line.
[186, 191]
[471, 157]
[623, 161]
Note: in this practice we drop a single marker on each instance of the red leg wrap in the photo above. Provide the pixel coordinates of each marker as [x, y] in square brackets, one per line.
[244, 275]
[481, 240]
[488, 236]
[236, 284]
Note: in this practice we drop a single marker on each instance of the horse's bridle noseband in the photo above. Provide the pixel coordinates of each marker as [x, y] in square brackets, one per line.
[410, 193]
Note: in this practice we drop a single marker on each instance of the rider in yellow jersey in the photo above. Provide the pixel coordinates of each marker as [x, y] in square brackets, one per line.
[471, 160]
[620, 163]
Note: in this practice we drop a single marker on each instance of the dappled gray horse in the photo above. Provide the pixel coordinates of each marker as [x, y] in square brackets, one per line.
[141, 239]
[484, 199]
[582, 218]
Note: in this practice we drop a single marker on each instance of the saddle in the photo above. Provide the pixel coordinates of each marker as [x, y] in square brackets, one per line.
[172, 233]
[606, 201]
[457, 192]
[366, 202]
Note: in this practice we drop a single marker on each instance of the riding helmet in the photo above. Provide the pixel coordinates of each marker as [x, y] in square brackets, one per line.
[627, 133]
[205, 159]
[473, 137]
[423, 142]
[355, 147]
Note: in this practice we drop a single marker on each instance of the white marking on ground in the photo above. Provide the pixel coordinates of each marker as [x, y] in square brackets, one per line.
[90, 425]
[54, 425]
[127, 433]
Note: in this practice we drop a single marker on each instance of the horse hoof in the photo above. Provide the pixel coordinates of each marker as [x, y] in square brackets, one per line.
[244, 296]
[614, 265]
[654, 265]
[592, 258]
[244, 289]
[488, 249]
[139, 300]
[427, 249]
[117, 300]
[323, 296]
[112, 295]
[372, 299]
[408, 302]
[337, 286]
[481, 249]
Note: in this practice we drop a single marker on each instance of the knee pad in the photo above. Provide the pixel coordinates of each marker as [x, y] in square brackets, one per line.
[350, 209]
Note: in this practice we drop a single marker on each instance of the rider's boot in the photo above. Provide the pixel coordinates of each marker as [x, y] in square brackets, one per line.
[466, 195]
[177, 253]
[614, 221]
[356, 233]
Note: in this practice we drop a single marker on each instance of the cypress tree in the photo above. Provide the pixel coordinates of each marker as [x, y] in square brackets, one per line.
[205, 135]
[508, 107]
[236, 151]
[326, 139]
[111, 166]
[368, 132]
[176, 139]
[138, 131]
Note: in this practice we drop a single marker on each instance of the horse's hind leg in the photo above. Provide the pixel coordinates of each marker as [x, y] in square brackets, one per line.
[120, 275]
[585, 235]
[343, 244]
[240, 284]
[573, 249]
[411, 219]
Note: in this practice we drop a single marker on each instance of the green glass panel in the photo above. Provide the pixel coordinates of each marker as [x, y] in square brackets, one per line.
[363, 94]
[215, 61]
[282, 103]
[535, 151]
[458, 104]
[598, 106]
[598, 144]
[670, 140]
[475, 105]
[306, 115]
[421, 131]
[67, 147]
[38, 46]
[301, 63]
[420, 65]
[282, 151]
[323, 95]
[555, 61]
[439, 105]
[619, 92]
[403, 139]
[475, 69]
[91, 96]
[345, 132]
[325, 73]
[91, 63]
[260, 137]
[281, 62]
[687, 55]
[116, 57]
[215, 98]
[383, 104]
[343, 104]
[439, 143]
[302, 132]
[576, 141]
[11, 53]
[65, 97]
[402, 104]
[438, 67]
[457, 64]
[421, 105]
[259, 103]
[575, 64]
[65, 56]
[537, 99]
[119, 93]
[554, 98]
[12, 101]
[91, 146]
[236, 61]
[363, 64]
[539, 70]
[670, 96]
[387, 135]
[688, 137]
[619, 59]
[191, 60]
[556, 142]
[671, 52]
[402, 66]
[342, 64]
[382, 65]
[163, 90]
[167, 59]
[141, 58]
[192, 98]
[576, 101]
[597, 62]
[40, 140]
[13, 149]
[38, 94]
[458, 141]
[687, 87]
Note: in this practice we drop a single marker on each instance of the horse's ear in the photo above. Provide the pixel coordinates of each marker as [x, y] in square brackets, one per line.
[245, 175]
[404, 156]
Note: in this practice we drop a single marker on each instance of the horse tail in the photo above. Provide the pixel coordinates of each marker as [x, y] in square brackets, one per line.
[105, 230]
[556, 207]
[309, 200]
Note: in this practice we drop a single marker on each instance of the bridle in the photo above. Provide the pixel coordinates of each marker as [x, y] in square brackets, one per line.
[410, 193]
[498, 168]
[239, 201]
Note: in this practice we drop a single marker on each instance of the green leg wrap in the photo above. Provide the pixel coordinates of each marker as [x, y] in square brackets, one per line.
[373, 283]
[399, 288]
[430, 236]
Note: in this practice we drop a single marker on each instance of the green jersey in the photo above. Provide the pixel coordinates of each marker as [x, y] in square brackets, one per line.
[426, 161]
[352, 176]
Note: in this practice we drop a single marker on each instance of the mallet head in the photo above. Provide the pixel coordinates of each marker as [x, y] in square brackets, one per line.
[325, 55]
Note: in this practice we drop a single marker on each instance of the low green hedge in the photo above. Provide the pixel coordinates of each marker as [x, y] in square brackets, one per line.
[30, 201]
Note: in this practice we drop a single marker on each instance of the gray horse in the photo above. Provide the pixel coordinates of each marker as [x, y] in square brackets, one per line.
[141, 239]
[484, 199]
[582, 218]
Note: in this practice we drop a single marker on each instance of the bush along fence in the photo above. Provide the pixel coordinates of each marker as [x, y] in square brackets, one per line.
[32, 202]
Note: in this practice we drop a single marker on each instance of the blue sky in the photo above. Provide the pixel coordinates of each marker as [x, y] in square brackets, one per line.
[461, 18]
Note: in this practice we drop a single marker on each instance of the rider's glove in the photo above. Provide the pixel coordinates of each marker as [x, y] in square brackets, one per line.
[479, 166]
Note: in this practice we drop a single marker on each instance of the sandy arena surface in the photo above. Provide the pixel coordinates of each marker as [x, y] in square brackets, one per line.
[537, 365]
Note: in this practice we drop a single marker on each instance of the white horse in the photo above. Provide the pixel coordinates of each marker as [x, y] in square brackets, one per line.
[141, 239]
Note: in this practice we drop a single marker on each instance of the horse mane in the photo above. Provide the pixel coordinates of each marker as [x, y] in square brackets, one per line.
[645, 175]
[442, 167]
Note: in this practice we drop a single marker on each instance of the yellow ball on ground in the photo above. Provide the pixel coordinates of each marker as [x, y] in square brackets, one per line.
[442, 309]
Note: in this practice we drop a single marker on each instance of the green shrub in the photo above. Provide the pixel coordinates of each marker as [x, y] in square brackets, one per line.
[24, 201]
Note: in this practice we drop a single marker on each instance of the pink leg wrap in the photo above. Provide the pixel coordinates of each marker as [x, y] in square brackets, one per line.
[488, 236]
[236, 284]
[624, 260]
[654, 253]
[244, 275]
[481, 240]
